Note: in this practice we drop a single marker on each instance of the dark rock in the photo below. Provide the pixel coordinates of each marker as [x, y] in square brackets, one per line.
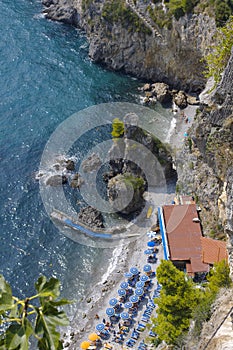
[180, 99]
[192, 100]
[91, 217]
[125, 193]
[56, 180]
[76, 181]
[70, 165]
[146, 87]
[93, 162]
[162, 92]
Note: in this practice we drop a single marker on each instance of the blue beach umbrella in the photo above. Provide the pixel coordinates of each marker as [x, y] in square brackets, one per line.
[139, 292]
[124, 285]
[110, 311]
[134, 299]
[140, 284]
[134, 270]
[121, 292]
[100, 327]
[128, 275]
[144, 278]
[147, 268]
[151, 244]
[128, 305]
[148, 251]
[125, 315]
[113, 302]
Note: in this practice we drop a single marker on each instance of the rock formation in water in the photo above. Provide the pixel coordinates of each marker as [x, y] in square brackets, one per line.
[137, 160]
[91, 217]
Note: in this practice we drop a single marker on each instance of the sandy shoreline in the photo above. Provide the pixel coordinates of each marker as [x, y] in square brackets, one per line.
[129, 255]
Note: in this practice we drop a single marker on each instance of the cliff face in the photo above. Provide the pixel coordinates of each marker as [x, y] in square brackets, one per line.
[173, 56]
[205, 165]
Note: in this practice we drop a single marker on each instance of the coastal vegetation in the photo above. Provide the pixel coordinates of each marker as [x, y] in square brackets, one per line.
[181, 300]
[37, 316]
[220, 10]
[117, 11]
[218, 58]
[117, 128]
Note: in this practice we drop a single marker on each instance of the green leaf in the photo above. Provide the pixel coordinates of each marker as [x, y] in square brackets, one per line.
[6, 300]
[14, 311]
[50, 337]
[4, 286]
[61, 302]
[17, 336]
[49, 288]
[47, 320]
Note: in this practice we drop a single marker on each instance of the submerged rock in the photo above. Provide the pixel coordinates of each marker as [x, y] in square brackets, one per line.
[56, 180]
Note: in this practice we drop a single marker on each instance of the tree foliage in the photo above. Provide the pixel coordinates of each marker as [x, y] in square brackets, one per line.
[219, 276]
[117, 128]
[37, 316]
[176, 303]
[218, 58]
[180, 300]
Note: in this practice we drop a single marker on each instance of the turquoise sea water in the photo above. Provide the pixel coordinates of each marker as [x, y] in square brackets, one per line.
[46, 76]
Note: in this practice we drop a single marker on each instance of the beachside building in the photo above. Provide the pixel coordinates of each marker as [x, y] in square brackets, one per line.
[183, 241]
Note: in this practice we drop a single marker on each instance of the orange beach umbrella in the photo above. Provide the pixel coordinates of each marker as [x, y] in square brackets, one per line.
[85, 344]
[93, 337]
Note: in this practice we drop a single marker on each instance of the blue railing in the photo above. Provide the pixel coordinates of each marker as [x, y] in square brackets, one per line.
[163, 234]
[86, 231]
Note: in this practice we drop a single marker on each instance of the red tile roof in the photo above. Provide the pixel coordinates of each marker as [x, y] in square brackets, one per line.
[184, 236]
[213, 250]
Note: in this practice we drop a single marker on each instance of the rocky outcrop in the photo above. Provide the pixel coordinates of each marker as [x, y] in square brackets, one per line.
[164, 94]
[56, 180]
[137, 160]
[91, 217]
[125, 193]
[76, 181]
[205, 165]
[91, 163]
[174, 57]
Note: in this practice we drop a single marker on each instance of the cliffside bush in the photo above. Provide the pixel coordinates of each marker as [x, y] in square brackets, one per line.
[118, 12]
[117, 128]
[221, 10]
[217, 60]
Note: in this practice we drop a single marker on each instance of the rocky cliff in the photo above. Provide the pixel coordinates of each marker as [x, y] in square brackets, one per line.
[123, 41]
[205, 165]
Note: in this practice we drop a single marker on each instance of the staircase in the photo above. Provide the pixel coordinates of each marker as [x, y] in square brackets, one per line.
[145, 20]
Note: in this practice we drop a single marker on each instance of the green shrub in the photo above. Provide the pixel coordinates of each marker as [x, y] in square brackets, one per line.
[117, 128]
[217, 60]
[118, 12]
[222, 13]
